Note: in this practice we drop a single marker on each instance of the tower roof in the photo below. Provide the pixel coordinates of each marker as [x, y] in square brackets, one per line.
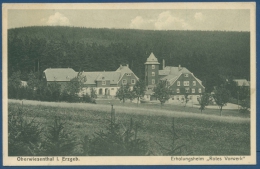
[152, 60]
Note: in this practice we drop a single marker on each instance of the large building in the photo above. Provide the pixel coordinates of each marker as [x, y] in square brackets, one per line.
[104, 82]
[181, 81]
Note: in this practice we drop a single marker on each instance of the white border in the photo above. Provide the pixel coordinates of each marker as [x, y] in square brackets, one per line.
[150, 160]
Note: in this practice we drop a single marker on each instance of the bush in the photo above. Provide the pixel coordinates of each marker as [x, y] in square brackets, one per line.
[58, 141]
[245, 106]
[23, 134]
[87, 99]
[115, 142]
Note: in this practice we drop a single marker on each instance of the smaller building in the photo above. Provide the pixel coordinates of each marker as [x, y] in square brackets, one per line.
[242, 82]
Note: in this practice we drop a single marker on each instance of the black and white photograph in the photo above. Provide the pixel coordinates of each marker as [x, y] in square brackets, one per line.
[129, 84]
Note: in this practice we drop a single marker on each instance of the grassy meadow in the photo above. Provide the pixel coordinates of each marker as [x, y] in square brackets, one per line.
[202, 134]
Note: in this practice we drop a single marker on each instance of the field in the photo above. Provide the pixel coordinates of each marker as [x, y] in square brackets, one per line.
[202, 134]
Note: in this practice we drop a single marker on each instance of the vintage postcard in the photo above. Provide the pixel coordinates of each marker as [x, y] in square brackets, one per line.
[129, 84]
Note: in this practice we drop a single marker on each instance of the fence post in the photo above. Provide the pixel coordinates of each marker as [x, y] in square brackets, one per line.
[113, 118]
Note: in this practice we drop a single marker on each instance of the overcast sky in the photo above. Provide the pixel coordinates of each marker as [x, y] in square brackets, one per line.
[169, 19]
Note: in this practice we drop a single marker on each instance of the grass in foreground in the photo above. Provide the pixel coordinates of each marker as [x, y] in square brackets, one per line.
[202, 137]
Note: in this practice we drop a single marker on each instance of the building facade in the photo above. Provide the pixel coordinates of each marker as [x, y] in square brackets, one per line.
[179, 79]
[105, 83]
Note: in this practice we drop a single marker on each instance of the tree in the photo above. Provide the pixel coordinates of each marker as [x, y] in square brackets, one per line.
[72, 88]
[14, 83]
[203, 101]
[162, 92]
[139, 90]
[221, 96]
[186, 98]
[123, 92]
[93, 93]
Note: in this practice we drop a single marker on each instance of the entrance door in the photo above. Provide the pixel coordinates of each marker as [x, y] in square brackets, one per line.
[100, 91]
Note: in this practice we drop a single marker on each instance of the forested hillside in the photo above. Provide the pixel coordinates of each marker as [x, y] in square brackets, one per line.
[208, 54]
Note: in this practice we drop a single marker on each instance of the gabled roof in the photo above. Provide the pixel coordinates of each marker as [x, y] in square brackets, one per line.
[112, 76]
[152, 60]
[92, 77]
[171, 74]
[124, 69]
[170, 70]
[171, 78]
[66, 74]
[60, 74]
[242, 82]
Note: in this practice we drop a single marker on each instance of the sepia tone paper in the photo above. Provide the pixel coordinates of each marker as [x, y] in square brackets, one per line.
[130, 160]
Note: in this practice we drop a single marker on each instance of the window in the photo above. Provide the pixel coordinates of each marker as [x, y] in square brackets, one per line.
[193, 91]
[153, 74]
[153, 66]
[178, 83]
[112, 88]
[177, 98]
[199, 90]
[103, 82]
[178, 90]
[128, 74]
[153, 81]
[186, 75]
[124, 82]
[172, 98]
[186, 83]
[194, 83]
[133, 81]
[187, 90]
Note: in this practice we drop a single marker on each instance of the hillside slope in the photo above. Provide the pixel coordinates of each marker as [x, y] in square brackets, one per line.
[210, 55]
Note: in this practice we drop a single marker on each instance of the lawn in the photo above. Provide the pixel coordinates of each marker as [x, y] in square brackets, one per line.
[172, 107]
[202, 134]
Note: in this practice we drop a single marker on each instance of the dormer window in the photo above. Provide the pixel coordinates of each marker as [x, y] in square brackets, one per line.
[186, 75]
[153, 66]
[128, 74]
[103, 82]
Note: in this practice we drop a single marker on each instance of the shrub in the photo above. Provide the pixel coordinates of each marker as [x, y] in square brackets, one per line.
[176, 146]
[245, 106]
[58, 141]
[115, 142]
[23, 134]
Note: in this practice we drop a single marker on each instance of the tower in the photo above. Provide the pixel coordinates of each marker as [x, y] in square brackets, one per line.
[151, 70]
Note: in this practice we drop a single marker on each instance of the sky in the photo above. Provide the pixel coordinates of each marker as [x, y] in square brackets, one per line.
[148, 19]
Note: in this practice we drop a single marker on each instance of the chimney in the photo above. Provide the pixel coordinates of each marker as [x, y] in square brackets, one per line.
[120, 66]
[163, 62]
[127, 65]
[179, 67]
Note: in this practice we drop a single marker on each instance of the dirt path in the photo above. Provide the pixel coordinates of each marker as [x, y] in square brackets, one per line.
[134, 110]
